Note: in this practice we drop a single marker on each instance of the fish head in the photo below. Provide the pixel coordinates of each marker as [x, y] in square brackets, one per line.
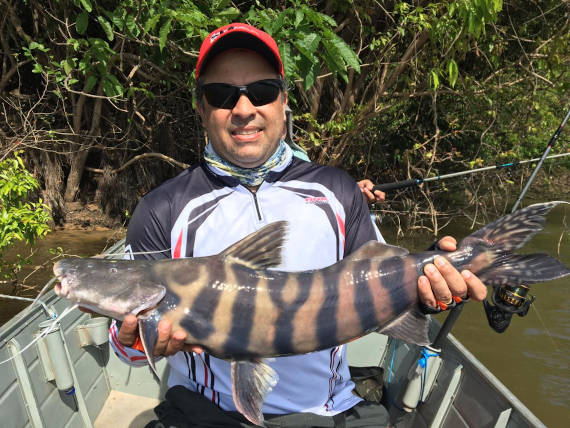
[114, 288]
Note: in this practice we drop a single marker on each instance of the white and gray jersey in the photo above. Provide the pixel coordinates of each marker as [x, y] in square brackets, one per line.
[202, 211]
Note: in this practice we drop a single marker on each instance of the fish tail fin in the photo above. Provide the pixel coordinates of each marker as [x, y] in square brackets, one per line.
[149, 334]
[514, 230]
[513, 269]
[495, 263]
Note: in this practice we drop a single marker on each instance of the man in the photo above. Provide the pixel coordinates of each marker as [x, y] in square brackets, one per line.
[248, 179]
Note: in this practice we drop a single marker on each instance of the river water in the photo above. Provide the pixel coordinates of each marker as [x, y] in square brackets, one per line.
[531, 358]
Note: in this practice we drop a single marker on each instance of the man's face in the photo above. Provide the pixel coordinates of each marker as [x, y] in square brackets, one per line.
[245, 135]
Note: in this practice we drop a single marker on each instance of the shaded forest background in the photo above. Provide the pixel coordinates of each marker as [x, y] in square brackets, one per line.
[96, 95]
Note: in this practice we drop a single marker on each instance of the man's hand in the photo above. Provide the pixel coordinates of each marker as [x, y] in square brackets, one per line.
[442, 281]
[167, 343]
[366, 187]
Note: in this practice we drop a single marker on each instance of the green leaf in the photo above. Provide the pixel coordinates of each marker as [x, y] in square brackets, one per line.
[151, 22]
[287, 58]
[111, 86]
[81, 22]
[309, 71]
[106, 27]
[90, 83]
[434, 79]
[332, 58]
[67, 66]
[163, 34]
[299, 16]
[308, 44]
[453, 72]
[348, 55]
[131, 24]
[329, 20]
[87, 5]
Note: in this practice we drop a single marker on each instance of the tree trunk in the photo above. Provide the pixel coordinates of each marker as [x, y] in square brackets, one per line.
[78, 159]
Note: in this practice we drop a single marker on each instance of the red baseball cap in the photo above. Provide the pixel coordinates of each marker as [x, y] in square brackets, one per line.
[239, 36]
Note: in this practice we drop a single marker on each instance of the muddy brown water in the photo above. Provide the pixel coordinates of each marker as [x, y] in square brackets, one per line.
[531, 358]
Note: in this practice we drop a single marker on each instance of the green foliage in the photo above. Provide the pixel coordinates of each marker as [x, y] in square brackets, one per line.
[306, 40]
[386, 89]
[20, 219]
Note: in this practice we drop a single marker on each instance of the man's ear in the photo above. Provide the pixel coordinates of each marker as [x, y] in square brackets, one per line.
[200, 108]
[285, 99]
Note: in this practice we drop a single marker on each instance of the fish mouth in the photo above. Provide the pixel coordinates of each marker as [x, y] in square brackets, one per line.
[61, 288]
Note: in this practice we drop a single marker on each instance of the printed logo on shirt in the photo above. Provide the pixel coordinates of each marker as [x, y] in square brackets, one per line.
[317, 200]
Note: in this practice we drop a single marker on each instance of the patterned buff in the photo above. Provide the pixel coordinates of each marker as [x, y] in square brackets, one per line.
[248, 177]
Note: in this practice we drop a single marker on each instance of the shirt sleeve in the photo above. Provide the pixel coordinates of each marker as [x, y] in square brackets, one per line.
[360, 228]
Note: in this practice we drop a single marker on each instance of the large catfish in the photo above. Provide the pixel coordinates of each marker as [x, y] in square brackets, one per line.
[236, 307]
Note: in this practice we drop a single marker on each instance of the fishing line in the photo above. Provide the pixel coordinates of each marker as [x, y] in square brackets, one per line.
[546, 328]
[43, 333]
[34, 301]
[133, 253]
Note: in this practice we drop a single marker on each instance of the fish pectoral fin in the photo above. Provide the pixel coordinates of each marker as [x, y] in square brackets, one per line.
[251, 382]
[411, 327]
[149, 334]
[261, 249]
[150, 298]
[377, 250]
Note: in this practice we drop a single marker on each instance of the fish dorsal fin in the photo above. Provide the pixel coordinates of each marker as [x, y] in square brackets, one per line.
[377, 250]
[411, 327]
[261, 249]
[513, 230]
[251, 382]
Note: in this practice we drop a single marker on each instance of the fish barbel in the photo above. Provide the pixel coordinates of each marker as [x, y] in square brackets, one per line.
[237, 307]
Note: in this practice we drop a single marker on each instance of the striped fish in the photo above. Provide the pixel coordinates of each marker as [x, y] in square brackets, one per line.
[236, 307]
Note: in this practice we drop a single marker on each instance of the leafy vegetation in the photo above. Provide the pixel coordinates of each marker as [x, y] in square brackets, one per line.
[99, 92]
[20, 218]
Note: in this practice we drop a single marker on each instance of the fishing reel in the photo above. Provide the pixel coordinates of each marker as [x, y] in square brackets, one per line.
[508, 300]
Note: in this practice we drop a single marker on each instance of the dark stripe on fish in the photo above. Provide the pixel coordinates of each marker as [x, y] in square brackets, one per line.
[326, 324]
[394, 282]
[243, 311]
[182, 274]
[200, 320]
[283, 341]
[363, 300]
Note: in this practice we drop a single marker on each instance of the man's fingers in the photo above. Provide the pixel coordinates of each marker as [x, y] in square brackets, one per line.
[447, 243]
[193, 348]
[164, 328]
[176, 343]
[128, 331]
[380, 195]
[425, 293]
[476, 289]
[454, 281]
[438, 285]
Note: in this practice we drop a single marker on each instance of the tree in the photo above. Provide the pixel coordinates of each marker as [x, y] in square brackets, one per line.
[100, 92]
[21, 219]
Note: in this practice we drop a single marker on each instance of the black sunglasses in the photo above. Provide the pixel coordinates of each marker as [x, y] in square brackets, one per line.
[226, 96]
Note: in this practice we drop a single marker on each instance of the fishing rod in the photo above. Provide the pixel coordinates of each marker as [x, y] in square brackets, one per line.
[544, 156]
[417, 181]
[510, 300]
